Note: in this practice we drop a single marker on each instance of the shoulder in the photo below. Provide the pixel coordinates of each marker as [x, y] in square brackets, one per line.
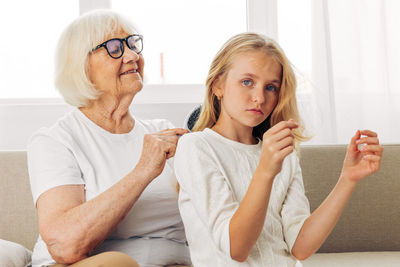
[193, 140]
[155, 125]
[193, 144]
[62, 131]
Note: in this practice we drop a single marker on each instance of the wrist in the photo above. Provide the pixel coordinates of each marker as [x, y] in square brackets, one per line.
[345, 179]
[142, 175]
[264, 174]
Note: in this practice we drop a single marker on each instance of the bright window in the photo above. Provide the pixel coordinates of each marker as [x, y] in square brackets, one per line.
[294, 36]
[29, 33]
[181, 37]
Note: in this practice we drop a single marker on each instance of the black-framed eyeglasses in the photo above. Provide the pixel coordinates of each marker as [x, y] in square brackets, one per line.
[115, 46]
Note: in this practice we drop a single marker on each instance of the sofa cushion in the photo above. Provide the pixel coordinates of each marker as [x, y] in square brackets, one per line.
[18, 220]
[351, 259]
[13, 254]
[369, 221]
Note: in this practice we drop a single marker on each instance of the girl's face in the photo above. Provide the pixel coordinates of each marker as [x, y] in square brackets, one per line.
[250, 89]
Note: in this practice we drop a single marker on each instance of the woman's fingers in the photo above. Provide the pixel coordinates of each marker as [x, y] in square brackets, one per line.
[174, 131]
[170, 150]
[180, 131]
[172, 139]
[168, 140]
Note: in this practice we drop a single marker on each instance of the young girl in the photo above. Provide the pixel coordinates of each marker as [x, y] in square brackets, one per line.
[241, 196]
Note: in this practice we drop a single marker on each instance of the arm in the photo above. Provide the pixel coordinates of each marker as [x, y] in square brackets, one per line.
[247, 222]
[72, 227]
[357, 165]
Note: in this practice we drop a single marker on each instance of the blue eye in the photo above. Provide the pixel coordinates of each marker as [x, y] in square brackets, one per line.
[247, 82]
[270, 87]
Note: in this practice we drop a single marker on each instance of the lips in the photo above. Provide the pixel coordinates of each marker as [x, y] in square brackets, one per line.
[256, 110]
[129, 71]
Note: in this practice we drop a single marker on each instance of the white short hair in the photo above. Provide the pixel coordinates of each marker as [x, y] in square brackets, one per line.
[72, 53]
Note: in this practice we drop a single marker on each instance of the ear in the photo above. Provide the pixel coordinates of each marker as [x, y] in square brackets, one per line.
[218, 87]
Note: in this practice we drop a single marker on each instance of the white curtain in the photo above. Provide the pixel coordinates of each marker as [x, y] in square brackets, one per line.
[355, 69]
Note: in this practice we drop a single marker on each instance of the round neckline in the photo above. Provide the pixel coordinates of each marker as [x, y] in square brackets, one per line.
[103, 131]
[233, 143]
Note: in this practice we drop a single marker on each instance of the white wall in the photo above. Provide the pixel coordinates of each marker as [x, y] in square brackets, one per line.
[19, 121]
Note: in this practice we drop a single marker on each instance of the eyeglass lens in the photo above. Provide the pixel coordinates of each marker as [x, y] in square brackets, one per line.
[134, 43]
[115, 47]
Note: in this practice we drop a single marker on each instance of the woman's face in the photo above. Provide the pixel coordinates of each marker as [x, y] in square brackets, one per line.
[116, 77]
[250, 89]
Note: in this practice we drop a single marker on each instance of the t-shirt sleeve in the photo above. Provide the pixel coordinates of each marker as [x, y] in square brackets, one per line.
[209, 192]
[50, 164]
[161, 124]
[296, 208]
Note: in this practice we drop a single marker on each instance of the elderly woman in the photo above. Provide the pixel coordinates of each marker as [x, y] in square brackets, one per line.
[104, 189]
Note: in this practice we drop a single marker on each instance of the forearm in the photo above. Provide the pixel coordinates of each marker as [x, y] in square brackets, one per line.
[248, 220]
[318, 226]
[73, 234]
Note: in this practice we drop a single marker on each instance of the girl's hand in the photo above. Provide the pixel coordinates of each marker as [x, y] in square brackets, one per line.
[361, 161]
[278, 142]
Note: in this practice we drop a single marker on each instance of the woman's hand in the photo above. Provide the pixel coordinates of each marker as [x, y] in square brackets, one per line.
[363, 160]
[278, 142]
[157, 148]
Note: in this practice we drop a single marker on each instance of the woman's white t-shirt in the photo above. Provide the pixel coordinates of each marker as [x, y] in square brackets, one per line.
[214, 174]
[77, 151]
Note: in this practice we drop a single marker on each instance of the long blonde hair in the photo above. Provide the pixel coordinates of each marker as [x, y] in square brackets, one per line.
[286, 107]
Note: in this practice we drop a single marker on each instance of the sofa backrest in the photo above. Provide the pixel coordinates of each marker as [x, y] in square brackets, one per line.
[371, 220]
[18, 218]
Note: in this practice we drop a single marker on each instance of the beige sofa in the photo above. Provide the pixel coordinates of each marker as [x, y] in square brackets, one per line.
[368, 233]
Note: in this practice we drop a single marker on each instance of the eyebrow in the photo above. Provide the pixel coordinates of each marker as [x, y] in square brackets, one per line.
[255, 76]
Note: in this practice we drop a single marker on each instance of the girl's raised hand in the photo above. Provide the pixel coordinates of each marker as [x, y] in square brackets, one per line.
[278, 142]
[363, 156]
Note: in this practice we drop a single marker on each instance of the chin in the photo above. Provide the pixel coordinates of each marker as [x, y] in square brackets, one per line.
[137, 85]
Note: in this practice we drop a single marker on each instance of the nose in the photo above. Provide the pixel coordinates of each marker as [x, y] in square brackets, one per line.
[258, 95]
[129, 55]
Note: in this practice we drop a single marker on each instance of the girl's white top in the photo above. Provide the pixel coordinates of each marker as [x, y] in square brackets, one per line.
[214, 173]
[77, 151]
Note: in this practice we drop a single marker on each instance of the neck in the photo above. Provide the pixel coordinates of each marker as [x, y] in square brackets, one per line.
[111, 114]
[234, 131]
